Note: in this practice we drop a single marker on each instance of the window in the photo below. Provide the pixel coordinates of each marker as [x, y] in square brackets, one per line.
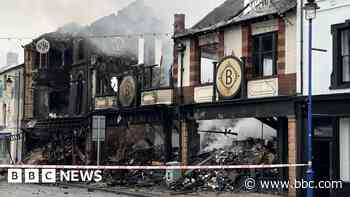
[208, 57]
[81, 52]
[341, 56]
[345, 55]
[264, 55]
[5, 84]
[3, 148]
[344, 149]
[4, 116]
[79, 96]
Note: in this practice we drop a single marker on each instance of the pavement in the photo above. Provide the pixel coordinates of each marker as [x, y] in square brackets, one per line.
[83, 190]
[26, 190]
[157, 192]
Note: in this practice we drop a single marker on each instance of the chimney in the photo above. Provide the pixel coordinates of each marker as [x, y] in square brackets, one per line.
[141, 50]
[179, 23]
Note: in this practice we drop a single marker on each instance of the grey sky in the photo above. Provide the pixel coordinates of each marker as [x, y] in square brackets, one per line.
[23, 18]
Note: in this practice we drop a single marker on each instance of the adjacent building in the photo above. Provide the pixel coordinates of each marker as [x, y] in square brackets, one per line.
[11, 115]
[330, 87]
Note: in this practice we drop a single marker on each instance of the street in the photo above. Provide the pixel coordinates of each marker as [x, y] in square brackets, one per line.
[20, 190]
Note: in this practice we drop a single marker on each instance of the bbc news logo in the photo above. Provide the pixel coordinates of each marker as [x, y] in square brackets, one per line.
[52, 175]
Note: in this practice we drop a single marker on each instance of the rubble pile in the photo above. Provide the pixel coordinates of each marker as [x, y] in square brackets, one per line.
[145, 156]
[251, 151]
[56, 153]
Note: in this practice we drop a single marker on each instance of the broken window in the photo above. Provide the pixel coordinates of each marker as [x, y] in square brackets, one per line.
[58, 103]
[41, 60]
[79, 96]
[55, 58]
[81, 54]
[104, 87]
[264, 55]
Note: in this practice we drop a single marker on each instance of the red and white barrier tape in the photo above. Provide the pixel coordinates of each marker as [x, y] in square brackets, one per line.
[214, 167]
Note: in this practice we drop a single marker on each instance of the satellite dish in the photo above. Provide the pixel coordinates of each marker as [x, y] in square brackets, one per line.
[114, 84]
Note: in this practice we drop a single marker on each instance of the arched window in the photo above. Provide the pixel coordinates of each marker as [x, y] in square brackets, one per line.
[79, 96]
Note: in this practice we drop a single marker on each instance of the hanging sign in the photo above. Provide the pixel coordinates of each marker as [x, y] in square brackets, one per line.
[229, 77]
[43, 46]
[127, 91]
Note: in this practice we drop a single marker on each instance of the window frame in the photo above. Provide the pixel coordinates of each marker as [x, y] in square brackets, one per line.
[216, 45]
[337, 73]
[258, 68]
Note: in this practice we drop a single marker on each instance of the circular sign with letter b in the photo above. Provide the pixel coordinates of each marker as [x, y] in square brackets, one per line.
[127, 91]
[43, 46]
[229, 77]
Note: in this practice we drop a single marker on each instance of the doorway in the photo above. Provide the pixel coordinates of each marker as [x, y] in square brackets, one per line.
[324, 150]
[322, 158]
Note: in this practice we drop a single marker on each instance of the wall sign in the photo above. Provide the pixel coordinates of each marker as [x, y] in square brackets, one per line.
[229, 77]
[43, 46]
[98, 128]
[263, 88]
[127, 91]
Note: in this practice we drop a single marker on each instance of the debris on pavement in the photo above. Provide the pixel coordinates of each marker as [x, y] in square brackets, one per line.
[251, 151]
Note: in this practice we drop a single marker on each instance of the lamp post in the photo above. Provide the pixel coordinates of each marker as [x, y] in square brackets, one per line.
[181, 49]
[9, 81]
[310, 13]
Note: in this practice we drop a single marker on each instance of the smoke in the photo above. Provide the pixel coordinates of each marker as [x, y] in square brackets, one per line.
[245, 128]
[36, 17]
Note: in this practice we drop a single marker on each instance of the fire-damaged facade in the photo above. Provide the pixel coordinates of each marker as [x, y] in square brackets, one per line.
[66, 87]
[237, 66]
[243, 64]
[240, 61]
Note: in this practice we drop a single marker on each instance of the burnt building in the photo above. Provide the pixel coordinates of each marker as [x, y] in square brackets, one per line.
[75, 81]
[237, 62]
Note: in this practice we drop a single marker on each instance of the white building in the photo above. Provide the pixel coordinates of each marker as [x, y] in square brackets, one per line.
[330, 86]
[11, 105]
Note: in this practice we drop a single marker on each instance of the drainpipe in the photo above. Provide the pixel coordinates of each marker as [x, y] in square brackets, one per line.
[18, 100]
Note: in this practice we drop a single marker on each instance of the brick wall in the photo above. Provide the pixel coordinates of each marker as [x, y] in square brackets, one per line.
[281, 47]
[195, 69]
[175, 66]
[221, 45]
[179, 27]
[287, 84]
[247, 46]
[29, 61]
[292, 153]
[184, 143]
